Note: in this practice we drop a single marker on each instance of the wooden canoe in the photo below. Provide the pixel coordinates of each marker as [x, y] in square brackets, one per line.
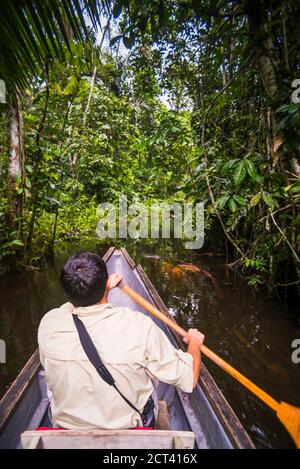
[205, 412]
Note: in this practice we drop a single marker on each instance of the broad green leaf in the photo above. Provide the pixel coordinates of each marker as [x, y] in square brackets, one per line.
[255, 199]
[240, 172]
[221, 201]
[295, 188]
[239, 199]
[229, 165]
[53, 201]
[268, 199]
[251, 170]
[282, 108]
[29, 168]
[71, 86]
[282, 123]
[254, 280]
[259, 179]
[291, 108]
[57, 89]
[54, 176]
[16, 242]
[232, 205]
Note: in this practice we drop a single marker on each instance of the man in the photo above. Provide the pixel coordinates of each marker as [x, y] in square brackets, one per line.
[131, 346]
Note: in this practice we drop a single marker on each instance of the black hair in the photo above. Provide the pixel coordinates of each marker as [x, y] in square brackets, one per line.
[84, 278]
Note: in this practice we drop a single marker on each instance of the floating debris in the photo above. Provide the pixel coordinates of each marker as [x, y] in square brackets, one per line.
[197, 269]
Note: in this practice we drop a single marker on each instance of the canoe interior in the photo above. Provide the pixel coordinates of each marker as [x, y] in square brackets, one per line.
[205, 411]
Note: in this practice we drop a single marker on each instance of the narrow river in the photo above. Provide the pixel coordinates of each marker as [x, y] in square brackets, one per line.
[248, 330]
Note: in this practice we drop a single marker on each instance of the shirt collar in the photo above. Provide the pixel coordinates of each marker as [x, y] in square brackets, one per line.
[104, 309]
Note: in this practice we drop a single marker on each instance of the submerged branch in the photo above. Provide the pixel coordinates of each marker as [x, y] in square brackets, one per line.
[285, 238]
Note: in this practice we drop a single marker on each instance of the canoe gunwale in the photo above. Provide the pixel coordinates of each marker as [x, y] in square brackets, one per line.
[18, 388]
[108, 254]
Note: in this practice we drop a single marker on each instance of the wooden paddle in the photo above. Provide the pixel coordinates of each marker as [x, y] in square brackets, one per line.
[288, 415]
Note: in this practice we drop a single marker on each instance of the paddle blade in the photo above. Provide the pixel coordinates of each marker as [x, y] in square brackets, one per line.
[290, 418]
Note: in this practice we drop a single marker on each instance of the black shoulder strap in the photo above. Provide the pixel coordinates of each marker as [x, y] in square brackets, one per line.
[93, 356]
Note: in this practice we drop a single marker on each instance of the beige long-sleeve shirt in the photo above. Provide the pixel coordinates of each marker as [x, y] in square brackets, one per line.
[132, 347]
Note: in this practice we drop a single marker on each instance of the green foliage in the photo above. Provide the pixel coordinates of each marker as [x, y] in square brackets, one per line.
[96, 126]
[32, 35]
[258, 265]
[95, 153]
[10, 242]
[240, 172]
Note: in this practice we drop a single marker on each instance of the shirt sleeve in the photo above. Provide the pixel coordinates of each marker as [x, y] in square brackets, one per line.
[166, 363]
[41, 358]
[40, 342]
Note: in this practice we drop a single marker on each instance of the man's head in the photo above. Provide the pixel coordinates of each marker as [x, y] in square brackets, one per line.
[84, 279]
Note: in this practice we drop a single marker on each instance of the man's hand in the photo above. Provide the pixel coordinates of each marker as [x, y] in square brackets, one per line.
[194, 336]
[114, 280]
[194, 339]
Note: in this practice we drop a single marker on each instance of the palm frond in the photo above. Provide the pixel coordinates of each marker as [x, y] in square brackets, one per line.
[32, 31]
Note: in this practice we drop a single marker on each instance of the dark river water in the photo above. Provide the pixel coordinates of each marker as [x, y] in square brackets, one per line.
[248, 330]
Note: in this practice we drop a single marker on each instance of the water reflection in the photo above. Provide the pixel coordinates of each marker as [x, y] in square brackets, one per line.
[244, 328]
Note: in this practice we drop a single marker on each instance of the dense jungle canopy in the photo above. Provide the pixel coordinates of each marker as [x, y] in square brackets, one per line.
[168, 100]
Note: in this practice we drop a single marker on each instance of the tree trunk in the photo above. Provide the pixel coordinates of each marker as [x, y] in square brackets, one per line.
[263, 46]
[15, 159]
[268, 66]
[37, 162]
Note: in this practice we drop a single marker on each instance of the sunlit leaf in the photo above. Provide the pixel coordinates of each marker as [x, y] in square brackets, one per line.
[255, 199]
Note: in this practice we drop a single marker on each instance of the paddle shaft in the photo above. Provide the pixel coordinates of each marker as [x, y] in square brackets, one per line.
[266, 398]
